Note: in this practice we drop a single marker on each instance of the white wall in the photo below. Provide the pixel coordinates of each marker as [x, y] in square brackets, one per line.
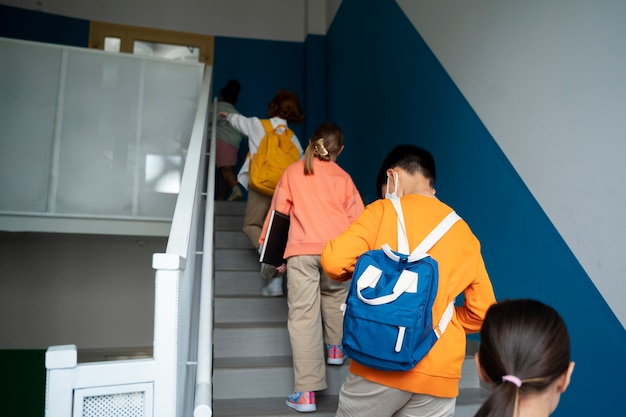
[547, 78]
[283, 20]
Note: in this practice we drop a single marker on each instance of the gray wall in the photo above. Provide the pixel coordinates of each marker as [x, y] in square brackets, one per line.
[91, 291]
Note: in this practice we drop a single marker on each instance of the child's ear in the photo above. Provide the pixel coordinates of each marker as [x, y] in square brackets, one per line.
[565, 379]
[479, 369]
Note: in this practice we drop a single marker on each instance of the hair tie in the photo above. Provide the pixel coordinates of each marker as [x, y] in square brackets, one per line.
[512, 379]
[319, 147]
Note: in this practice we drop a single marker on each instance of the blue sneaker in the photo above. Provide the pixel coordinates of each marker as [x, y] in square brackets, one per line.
[303, 402]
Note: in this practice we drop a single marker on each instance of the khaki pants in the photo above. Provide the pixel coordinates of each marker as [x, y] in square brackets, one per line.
[315, 319]
[256, 210]
[359, 397]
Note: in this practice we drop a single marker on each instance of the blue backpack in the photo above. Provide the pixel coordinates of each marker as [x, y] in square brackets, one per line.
[388, 321]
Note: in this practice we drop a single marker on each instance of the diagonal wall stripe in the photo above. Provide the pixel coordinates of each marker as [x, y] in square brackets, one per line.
[547, 80]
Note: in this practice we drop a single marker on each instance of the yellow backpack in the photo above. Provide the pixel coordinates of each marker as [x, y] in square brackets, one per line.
[276, 152]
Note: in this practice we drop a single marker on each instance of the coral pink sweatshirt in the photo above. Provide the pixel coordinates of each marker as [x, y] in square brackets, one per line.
[320, 206]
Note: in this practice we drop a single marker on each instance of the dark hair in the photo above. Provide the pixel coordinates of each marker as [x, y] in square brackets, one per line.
[230, 92]
[286, 105]
[524, 338]
[412, 159]
[327, 140]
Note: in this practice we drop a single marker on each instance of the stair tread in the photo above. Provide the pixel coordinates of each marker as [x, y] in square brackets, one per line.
[275, 407]
[251, 325]
[471, 396]
[263, 362]
[252, 362]
[255, 296]
[233, 208]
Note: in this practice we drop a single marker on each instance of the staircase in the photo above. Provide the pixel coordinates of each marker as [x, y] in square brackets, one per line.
[253, 373]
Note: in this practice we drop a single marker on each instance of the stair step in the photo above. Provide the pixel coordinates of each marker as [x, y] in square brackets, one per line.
[228, 223]
[274, 407]
[229, 239]
[253, 309]
[269, 339]
[236, 378]
[237, 260]
[230, 208]
[469, 376]
[239, 283]
[467, 403]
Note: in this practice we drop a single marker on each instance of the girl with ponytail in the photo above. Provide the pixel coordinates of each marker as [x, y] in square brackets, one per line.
[321, 201]
[524, 355]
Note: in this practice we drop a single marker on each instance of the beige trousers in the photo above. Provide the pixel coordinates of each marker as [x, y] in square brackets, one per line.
[315, 319]
[257, 207]
[359, 397]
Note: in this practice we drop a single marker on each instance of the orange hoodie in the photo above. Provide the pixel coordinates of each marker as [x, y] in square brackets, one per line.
[461, 271]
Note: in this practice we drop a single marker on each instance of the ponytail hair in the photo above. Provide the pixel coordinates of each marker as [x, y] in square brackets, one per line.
[325, 144]
[524, 347]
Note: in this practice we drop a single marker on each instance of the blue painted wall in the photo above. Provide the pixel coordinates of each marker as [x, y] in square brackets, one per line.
[42, 27]
[315, 79]
[386, 88]
[262, 67]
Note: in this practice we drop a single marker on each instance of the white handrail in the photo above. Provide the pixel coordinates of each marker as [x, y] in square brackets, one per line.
[178, 241]
[203, 393]
[165, 382]
[178, 277]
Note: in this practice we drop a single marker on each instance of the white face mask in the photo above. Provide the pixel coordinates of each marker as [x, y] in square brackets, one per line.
[394, 194]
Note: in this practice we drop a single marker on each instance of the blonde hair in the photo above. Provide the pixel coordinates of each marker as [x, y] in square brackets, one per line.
[325, 143]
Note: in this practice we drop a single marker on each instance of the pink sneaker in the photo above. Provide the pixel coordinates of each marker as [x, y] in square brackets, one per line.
[303, 402]
[335, 355]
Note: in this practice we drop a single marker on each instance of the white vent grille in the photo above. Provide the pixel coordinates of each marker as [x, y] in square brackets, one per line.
[128, 404]
[124, 400]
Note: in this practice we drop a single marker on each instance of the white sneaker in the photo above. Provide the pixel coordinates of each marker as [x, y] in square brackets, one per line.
[274, 288]
[268, 271]
[235, 194]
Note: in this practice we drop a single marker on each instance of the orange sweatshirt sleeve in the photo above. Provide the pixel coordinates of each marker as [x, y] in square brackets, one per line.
[478, 297]
[340, 254]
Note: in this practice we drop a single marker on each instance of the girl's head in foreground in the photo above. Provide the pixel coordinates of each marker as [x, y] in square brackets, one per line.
[326, 144]
[524, 355]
